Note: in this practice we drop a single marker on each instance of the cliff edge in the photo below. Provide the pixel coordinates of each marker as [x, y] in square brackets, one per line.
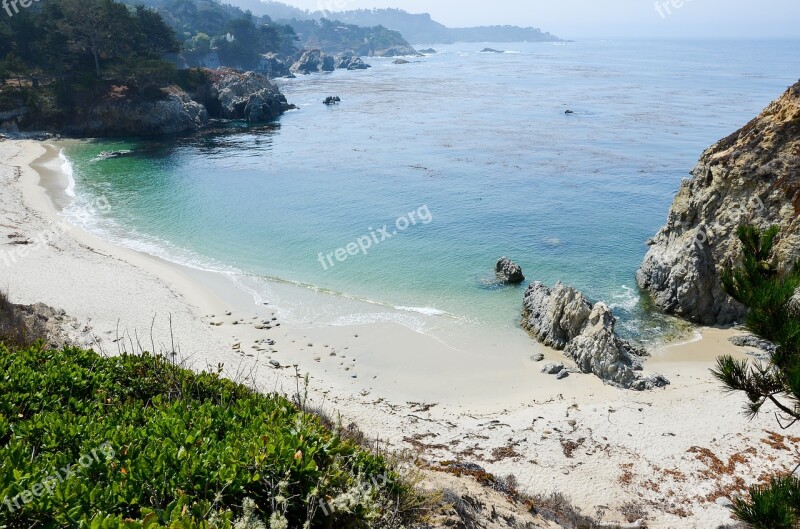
[752, 176]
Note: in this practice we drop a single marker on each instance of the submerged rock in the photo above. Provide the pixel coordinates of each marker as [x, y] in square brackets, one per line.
[107, 155]
[564, 319]
[508, 271]
[753, 177]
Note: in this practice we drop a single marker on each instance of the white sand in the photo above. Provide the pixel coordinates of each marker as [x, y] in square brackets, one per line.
[450, 394]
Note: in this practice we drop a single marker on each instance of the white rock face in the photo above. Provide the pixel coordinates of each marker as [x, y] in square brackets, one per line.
[753, 176]
[554, 317]
[794, 304]
[564, 319]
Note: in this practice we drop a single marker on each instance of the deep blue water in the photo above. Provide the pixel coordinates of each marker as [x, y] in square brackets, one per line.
[481, 141]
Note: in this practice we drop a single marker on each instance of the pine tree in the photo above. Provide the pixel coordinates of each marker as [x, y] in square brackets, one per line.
[766, 293]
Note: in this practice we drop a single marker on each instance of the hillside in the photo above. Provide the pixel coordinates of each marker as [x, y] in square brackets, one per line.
[213, 33]
[415, 28]
[421, 28]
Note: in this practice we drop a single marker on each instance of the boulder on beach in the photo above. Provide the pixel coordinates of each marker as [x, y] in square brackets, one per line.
[750, 340]
[553, 368]
[508, 271]
[564, 319]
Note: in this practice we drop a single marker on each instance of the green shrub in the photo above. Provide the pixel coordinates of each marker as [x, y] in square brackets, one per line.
[165, 447]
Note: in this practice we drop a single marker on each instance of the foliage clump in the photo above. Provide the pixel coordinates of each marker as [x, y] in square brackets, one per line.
[184, 450]
[766, 293]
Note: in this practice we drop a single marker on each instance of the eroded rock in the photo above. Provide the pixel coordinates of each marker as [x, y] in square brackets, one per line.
[564, 319]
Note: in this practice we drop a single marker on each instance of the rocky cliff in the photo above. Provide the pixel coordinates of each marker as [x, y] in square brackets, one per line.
[562, 318]
[248, 96]
[752, 176]
[122, 111]
[120, 115]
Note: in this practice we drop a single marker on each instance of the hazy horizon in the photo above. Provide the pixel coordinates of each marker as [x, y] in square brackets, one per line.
[604, 18]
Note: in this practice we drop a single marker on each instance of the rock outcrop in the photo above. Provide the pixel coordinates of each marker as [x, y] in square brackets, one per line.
[395, 51]
[508, 271]
[313, 61]
[49, 324]
[750, 340]
[752, 176]
[351, 63]
[249, 96]
[562, 318]
[794, 304]
[275, 65]
[221, 93]
[118, 115]
[10, 120]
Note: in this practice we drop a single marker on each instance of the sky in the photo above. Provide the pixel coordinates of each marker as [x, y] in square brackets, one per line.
[605, 18]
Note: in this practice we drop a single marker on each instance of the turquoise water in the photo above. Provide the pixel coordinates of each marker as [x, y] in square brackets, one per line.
[480, 141]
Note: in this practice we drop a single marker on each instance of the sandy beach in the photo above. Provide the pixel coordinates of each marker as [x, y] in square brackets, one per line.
[448, 394]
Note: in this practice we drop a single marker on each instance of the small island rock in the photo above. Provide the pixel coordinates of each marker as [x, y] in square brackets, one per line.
[509, 272]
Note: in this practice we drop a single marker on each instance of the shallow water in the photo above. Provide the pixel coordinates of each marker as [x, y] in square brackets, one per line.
[477, 145]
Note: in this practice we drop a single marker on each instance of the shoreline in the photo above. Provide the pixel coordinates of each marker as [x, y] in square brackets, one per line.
[483, 402]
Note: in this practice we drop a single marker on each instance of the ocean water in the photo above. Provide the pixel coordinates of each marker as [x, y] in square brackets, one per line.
[477, 146]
